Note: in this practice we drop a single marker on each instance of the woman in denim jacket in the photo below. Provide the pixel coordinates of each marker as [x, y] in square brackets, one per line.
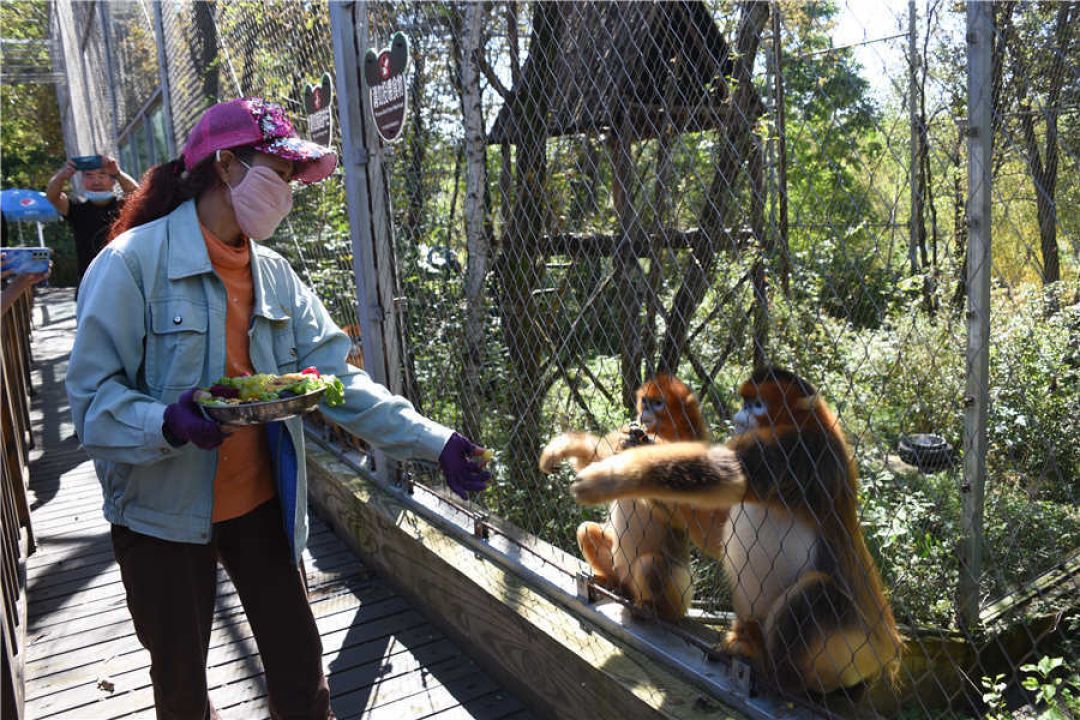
[181, 296]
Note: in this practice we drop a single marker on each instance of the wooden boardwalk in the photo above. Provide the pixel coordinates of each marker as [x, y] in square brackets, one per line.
[382, 657]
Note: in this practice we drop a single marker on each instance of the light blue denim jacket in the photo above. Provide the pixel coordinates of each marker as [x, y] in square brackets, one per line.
[151, 324]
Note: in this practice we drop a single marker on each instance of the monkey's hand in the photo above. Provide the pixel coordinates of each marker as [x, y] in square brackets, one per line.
[685, 472]
[635, 435]
[578, 447]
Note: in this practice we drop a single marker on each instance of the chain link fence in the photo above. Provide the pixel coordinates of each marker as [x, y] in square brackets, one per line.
[701, 188]
[587, 194]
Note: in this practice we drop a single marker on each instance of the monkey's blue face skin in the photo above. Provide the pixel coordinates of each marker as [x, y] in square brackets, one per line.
[753, 415]
[652, 410]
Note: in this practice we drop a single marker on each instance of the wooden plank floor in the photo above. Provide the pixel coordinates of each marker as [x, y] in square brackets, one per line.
[383, 659]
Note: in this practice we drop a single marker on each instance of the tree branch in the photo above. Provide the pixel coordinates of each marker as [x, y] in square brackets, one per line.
[492, 78]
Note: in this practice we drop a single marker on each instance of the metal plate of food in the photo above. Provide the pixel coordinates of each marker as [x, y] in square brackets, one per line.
[267, 411]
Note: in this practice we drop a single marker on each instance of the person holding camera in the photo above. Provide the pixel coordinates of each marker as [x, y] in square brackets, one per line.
[93, 213]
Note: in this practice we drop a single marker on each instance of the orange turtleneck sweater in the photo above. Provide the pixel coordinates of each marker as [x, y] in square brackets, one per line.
[244, 478]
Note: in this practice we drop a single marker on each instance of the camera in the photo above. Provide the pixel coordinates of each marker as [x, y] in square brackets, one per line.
[26, 260]
[87, 162]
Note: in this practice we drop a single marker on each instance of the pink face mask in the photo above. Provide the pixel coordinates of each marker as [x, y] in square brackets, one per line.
[260, 201]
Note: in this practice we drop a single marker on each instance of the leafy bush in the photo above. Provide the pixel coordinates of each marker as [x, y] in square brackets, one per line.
[911, 523]
[1035, 392]
[907, 375]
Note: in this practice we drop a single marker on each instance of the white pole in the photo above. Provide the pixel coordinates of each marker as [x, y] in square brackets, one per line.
[980, 30]
[40, 235]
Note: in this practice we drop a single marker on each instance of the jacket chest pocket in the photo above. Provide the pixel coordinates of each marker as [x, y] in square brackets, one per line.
[284, 343]
[176, 344]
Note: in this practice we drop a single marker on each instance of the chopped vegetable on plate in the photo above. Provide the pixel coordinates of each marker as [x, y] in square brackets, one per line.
[264, 387]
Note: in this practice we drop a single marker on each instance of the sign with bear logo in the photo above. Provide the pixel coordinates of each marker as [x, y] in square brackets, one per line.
[317, 106]
[384, 73]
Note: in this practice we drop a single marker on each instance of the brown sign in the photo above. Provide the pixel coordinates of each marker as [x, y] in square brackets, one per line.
[317, 105]
[385, 75]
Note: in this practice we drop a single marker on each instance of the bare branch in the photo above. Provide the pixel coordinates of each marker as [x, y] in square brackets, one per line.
[492, 78]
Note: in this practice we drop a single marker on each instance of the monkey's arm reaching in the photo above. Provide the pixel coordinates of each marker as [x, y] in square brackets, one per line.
[580, 448]
[685, 472]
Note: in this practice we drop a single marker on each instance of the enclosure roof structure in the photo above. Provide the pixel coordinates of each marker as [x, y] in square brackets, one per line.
[644, 64]
[28, 59]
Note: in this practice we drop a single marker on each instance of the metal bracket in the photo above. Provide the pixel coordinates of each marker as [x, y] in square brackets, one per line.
[583, 586]
[741, 676]
[480, 526]
[404, 482]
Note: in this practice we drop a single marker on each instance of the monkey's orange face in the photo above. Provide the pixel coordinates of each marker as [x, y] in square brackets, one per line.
[771, 405]
[653, 409]
[667, 409]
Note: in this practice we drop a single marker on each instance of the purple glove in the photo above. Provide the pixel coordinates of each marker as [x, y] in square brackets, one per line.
[184, 422]
[463, 474]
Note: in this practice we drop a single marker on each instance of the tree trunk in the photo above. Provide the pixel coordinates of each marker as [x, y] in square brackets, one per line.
[476, 237]
[759, 278]
[959, 218]
[518, 272]
[626, 271]
[663, 215]
[742, 111]
[926, 194]
[414, 173]
[1044, 170]
[782, 244]
[917, 228]
[204, 51]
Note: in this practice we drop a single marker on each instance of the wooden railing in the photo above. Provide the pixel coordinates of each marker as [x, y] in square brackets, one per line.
[16, 535]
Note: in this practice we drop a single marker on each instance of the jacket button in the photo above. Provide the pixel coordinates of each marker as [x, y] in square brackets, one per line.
[177, 320]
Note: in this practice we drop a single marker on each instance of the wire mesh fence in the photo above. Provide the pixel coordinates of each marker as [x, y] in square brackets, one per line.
[586, 195]
[224, 50]
[700, 188]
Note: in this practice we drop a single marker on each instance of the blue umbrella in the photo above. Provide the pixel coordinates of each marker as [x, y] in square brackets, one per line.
[27, 205]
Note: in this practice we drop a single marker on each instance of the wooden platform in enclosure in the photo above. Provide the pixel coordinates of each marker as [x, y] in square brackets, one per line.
[384, 659]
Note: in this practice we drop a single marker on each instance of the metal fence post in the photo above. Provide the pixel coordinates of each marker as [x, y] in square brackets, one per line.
[163, 72]
[360, 137]
[110, 63]
[351, 118]
[977, 393]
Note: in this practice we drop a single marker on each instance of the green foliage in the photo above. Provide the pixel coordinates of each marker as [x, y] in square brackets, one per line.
[994, 697]
[1056, 691]
[841, 266]
[30, 134]
[845, 274]
[911, 523]
[1034, 424]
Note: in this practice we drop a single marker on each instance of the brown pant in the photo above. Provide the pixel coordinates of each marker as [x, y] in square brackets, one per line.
[171, 588]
